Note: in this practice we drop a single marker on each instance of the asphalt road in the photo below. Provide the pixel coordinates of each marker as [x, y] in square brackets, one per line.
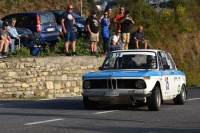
[67, 115]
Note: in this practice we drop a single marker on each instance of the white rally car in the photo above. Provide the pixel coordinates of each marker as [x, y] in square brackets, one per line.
[134, 76]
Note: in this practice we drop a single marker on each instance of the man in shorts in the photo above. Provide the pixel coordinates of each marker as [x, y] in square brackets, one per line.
[93, 29]
[67, 22]
[5, 40]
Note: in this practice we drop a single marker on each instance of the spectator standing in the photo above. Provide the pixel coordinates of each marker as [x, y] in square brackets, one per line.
[126, 21]
[93, 29]
[116, 43]
[5, 40]
[105, 32]
[67, 22]
[138, 37]
[27, 41]
[108, 10]
[118, 16]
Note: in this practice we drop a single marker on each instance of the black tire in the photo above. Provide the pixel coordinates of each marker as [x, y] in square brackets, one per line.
[154, 101]
[89, 104]
[180, 99]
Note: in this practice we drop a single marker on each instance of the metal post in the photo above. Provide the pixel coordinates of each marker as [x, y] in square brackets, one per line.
[81, 8]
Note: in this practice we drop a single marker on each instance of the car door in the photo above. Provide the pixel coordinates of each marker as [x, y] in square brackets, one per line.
[176, 78]
[167, 76]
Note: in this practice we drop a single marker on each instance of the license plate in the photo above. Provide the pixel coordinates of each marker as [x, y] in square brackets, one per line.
[50, 29]
[111, 93]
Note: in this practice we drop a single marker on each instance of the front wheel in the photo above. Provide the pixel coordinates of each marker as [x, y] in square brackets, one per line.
[181, 98]
[154, 101]
[89, 104]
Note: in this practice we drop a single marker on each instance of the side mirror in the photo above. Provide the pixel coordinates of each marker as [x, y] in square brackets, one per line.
[166, 67]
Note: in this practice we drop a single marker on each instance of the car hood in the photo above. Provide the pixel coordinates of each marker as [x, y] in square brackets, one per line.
[121, 73]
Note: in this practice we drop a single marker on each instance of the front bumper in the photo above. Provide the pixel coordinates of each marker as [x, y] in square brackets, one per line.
[136, 94]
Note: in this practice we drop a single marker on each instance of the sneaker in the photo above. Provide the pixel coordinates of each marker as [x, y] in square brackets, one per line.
[0, 55]
[5, 55]
[68, 54]
[74, 54]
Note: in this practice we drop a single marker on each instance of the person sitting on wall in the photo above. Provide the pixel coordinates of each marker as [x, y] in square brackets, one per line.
[116, 43]
[5, 40]
[138, 38]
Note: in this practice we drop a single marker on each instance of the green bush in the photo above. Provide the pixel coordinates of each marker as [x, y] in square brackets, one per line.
[81, 47]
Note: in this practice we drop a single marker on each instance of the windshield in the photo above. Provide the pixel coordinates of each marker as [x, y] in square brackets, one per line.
[130, 60]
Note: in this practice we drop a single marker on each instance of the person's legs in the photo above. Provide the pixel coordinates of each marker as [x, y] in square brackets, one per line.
[12, 46]
[105, 45]
[145, 45]
[6, 45]
[127, 40]
[67, 38]
[31, 42]
[73, 42]
[25, 41]
[123, 40]
[1, 45]
[136, 45]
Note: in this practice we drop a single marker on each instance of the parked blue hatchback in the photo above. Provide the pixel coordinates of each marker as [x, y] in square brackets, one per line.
[42, 24]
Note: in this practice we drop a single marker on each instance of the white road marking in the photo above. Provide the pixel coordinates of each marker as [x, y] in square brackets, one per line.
[103, 112]
[193, 99]
[39, 122]
[56, 98]
[45, 99]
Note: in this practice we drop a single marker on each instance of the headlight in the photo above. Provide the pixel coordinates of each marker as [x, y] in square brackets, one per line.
[79, 24]
[87, 84]
[140, 84]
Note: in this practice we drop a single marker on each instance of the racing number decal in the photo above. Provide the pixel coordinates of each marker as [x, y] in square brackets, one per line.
[167, 83]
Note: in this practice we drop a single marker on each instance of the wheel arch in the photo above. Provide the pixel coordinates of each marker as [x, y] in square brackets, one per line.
[158, 84]
[185, 89]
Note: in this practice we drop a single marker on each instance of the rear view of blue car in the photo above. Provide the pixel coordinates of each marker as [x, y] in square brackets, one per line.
[42, 24]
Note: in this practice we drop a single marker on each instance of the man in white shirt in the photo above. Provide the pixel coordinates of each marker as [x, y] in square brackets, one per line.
[116, 43]
[27, 42]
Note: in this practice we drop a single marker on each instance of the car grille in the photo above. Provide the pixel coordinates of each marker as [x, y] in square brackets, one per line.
[113, 83]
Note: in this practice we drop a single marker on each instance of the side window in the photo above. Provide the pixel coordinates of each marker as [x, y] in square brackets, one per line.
[8, 19]
[171, 62]
[32, 20]
[25, 20]
[163, 58]
[57, 17]
[160, 62]
[19, 20]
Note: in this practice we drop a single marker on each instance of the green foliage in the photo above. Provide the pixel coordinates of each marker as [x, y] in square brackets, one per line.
[14, 95]
[59, 47]
[81, 47]
[21, 96]
[23, 52]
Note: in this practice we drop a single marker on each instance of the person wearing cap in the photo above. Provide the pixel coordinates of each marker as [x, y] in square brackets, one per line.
[67, 22]
[5, 40]
[93, 29]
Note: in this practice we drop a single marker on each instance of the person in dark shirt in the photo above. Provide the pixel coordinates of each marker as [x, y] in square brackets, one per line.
[126, 21]
[138, 37]
[93, 29]
[67, 22]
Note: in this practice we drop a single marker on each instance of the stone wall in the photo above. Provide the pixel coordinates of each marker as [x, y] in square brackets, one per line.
[45, 77]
